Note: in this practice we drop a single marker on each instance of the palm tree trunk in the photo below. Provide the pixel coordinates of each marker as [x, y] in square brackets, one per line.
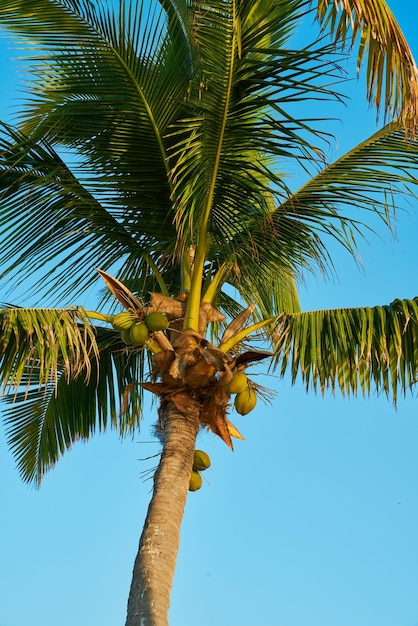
[149, 597]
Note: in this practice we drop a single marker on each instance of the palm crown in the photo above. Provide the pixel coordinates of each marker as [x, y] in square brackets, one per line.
[178, 116]
[155, 145]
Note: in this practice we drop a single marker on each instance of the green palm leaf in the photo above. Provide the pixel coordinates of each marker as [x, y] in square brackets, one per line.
[237, 112]
[373, 176]
[292, 237]
[392, 76]
[47, 212]
[43, 343]
[106, 91]
[356, 350]
[56, 402]
[221, 158]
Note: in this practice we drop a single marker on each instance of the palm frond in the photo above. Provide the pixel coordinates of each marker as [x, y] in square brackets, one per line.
[106, 84]
[44, 343]
[110, 95]
[374, 176]
[238, 122]
[45, 420]
[355, 350]
[47, 213]
[392, 76]
[222, 152]
[272, 290]
[371, 176]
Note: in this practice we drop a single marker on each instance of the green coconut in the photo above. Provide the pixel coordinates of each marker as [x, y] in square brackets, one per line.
[237, 384]
[245, 401]
[156, 321]
[195, 481]
[122, 321]
[201, 461]
[139, 334]
[126, 336]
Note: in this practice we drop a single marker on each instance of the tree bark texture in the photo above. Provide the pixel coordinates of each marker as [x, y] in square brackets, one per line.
[149, 597]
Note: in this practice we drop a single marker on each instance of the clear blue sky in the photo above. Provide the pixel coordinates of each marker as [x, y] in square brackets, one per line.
[312, 521]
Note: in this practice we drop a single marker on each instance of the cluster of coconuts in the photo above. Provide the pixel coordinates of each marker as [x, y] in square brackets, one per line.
[137, 333]
[201, 462]
[245, 398]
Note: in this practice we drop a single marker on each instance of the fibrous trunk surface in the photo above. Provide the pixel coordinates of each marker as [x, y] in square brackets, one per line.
[149, 597]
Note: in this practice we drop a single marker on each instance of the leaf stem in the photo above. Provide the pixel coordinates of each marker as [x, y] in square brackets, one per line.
[244, 333]
[191, 320]
[215, 284]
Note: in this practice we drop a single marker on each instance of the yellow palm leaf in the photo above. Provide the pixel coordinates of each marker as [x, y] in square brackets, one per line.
[392, 75]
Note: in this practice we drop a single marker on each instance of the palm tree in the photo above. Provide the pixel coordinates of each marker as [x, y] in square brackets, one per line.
[153, 146]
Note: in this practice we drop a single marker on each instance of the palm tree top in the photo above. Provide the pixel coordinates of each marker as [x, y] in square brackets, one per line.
[170, 133]
[155, 145]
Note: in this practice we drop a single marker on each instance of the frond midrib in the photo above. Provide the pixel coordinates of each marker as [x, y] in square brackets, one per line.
[192, 314]
[107, 44]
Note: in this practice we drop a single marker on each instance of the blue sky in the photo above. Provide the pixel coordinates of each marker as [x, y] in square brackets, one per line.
[311, 521]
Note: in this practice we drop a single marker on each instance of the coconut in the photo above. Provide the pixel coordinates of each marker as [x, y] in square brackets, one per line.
[245, 401]
[139, 334]
[156, 321]
[195, 481]
[201, 461]
[122, 321]
[126, 336]
[237, 383]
